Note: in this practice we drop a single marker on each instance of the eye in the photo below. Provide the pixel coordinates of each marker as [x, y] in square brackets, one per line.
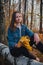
[20, 16]
[16, 16]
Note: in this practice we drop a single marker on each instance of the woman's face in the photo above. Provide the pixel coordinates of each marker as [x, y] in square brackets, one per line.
[18, 18]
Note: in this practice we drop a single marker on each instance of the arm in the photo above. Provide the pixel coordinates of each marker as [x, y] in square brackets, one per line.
[28, 32]
[10, 38]
[39, 44]
[34, 39]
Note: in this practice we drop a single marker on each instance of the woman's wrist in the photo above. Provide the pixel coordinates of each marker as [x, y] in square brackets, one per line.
[36, 38]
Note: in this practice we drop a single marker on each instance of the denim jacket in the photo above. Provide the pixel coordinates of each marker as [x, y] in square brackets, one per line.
[14, 36]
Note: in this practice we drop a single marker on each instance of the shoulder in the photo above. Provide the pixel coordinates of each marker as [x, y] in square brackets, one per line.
[23, 25]
[9, 30]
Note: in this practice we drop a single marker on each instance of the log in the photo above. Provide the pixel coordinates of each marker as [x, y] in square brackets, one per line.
[4, 51]
[22, 60]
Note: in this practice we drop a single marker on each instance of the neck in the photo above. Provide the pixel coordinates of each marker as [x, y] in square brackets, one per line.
[18, 24]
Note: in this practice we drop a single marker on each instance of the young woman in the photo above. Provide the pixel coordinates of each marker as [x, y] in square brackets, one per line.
[15, 31]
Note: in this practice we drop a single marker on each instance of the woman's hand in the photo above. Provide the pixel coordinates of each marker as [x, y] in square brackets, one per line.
[36, 38]
[17, 45]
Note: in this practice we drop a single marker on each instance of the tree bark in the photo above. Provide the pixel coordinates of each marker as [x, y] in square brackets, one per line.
[40, 16]
[1, 20]
[32, 14]
[24, 11]
[19, 5]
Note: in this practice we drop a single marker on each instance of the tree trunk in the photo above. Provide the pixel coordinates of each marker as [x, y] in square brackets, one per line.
[19, 5]
[1, 20]
[32, 14]
[27, 12]
[40, 16]
[24, 11]
[9, 9]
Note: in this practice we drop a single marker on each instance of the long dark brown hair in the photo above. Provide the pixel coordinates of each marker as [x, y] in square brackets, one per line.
[13, 20]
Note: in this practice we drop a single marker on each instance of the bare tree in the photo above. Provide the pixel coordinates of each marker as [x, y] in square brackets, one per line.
[32, 14]
[24, 11]
[40, 16]
[3, 14]
[9, 9]
[1, 20]
[27, 12]
[19, 5]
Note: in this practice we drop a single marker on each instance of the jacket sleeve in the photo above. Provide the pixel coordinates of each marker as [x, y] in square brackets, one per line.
[28, 32]
[10, 38]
